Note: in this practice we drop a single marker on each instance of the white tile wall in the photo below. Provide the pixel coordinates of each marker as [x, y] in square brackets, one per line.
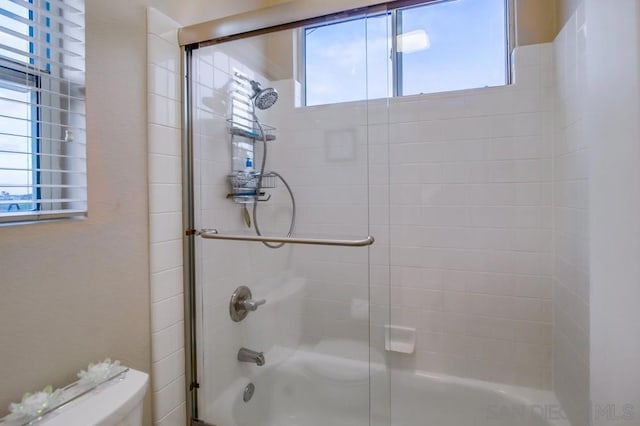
[470, 216]
[571, 216]
[165, 201]
[323, 152]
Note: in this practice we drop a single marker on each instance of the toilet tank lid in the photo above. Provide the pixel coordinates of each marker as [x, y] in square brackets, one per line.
[106, 405]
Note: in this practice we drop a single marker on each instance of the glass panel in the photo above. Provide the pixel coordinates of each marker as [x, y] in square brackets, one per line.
[314, 328]
[16, 148]
[14, 31]
[452, 46]
[347, 61]
[379, 267]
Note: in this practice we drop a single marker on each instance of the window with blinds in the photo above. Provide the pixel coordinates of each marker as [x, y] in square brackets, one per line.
[42, 110]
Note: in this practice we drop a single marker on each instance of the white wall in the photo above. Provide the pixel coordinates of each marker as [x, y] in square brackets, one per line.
[188, 12]
[613, 108]
[571, 223]
[565, 9]
[75, 292]
[165, 220]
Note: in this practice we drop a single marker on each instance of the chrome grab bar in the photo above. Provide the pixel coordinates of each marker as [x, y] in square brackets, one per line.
[213, 234]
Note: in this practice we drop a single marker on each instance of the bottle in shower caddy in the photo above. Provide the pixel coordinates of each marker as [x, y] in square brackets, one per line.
[250, 175]
[248, 166]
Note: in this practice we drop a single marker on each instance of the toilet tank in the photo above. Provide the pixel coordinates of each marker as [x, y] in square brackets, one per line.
[116, 403]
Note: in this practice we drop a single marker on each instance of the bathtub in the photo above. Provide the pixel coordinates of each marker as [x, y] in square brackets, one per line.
[422, 398]
[316, 389]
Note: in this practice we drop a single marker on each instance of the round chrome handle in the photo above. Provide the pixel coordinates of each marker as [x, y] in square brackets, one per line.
[241, 304]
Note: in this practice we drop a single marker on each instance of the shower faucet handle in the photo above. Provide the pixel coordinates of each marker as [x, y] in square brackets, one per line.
[241, 303]
[252, 305]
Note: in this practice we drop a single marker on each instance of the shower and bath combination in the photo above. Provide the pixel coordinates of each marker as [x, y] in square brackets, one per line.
[460, 198]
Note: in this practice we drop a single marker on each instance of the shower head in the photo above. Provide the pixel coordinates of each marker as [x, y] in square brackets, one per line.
[265, 98]
[262, 98]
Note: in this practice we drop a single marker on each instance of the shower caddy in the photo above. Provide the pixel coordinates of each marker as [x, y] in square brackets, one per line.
[243, 184]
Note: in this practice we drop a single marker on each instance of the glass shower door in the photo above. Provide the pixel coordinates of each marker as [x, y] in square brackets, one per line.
[303, 356]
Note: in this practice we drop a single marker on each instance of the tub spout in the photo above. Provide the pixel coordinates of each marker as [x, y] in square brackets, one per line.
[247, 355]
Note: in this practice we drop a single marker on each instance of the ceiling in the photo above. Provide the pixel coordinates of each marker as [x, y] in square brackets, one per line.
[188, 12]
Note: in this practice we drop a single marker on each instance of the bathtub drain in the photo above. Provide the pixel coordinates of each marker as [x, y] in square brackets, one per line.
[248, 392]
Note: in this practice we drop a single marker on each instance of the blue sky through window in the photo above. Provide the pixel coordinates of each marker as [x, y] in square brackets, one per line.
[351, 60]
[468, 46]
[348, 61]
[16, 110]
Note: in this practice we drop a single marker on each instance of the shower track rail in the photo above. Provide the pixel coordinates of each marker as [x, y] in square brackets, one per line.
[213, 234]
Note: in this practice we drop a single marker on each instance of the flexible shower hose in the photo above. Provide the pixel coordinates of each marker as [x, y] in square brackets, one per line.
[263, 164]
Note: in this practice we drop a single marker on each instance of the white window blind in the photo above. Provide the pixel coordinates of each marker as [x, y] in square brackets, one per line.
[42, 110]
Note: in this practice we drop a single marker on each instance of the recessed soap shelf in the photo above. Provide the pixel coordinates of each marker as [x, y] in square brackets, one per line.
[399, 339]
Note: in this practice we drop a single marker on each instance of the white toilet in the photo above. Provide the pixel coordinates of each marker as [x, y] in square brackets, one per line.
[116, 403]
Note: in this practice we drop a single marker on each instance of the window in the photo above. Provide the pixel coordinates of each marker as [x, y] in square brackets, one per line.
[347, 61]
[433, 47]
[42, 110]
[19, 111]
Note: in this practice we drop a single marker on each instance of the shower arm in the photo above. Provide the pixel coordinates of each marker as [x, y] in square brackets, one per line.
[213, 234]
